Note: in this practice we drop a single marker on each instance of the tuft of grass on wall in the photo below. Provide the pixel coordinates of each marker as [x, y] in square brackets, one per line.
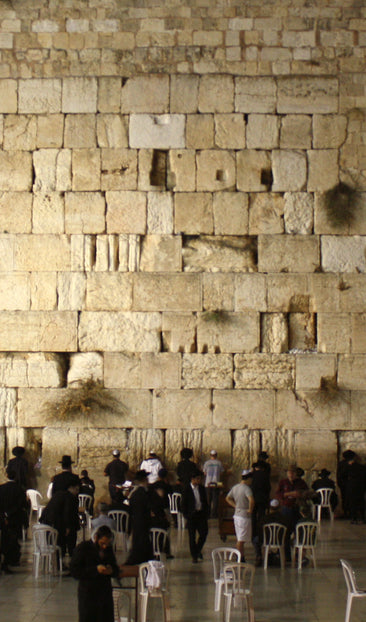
[217, 316]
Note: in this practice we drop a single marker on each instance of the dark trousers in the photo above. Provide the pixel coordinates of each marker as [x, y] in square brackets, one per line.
[212, 493]
[67, 542]
[197, 523]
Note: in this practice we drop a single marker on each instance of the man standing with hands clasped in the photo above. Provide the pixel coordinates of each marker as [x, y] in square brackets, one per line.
[241, 498]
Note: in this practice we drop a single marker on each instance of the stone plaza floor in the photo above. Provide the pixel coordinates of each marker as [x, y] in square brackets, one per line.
[310, 595]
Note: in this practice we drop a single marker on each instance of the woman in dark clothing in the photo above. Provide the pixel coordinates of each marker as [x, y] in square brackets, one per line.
[93, 563]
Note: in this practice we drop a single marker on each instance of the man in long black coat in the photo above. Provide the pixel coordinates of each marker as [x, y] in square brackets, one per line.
[13, 516]
[19, 465]
[140, 513]
[62, 480]
[195, 510]
[62, 513]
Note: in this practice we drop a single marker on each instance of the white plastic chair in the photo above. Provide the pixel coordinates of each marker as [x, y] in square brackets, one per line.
[352, 590]
[220, 556]
[175, 501]
[274, 539]
[158, 539]
[305, 540]
[45, 551]
[34, 497]
[325, 494]
[238, 588]
[122, 520]
[146, 592]
[85, 502]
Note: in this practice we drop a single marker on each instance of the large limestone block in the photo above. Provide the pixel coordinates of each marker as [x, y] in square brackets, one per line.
[117, 331]
[112, 131]
[192, 407]
[43, 287]
[119, 169]
[288, 293]
[14, 291]
[79, 95]
[179, 332]
[57, 442]
[45, 370]
[84, 212]
[48, 331]
[311, 368]
[329, 131]
[8, 407]
[95, 452]
[220, 440]
[16, 172]
[86, 169]
[352, 372]
[255, 94]
[323, 169]
[264, 371]
[207, 371]
[167, 292]
[160, 212]
[141, 442]
[262, 131]
[7, 245]
[179, 438]
[215, 170]
[42, 253]
[165, 131]
[193, 213]
[15, 212]
[312, 410]
[323, 454]
[71, 291]
[108, 291]
[238, 409]
[325, 292]
[358, 332]
[253, 170]
[343, 254]
[50, 131]
[182, 170]
[230, 212]
[143, 94]
[289, 170]
[144, 370]
[228, 332]
[302, 331]
[109, 93]
[184, 93]
[52, 170]
[48, 213]
[250, 292]
[274, 333]
[334, 332]
[295, 131]
[299, 212]
[161, 253]
[352, 293]
[126, 212]
[266, 213]
[14, 370]
[307, 94]
[219, 254]
[20, 132]
[80, 131]
[9, 96]
[218, 291]
[216, 93]
[39, 96]
[83, 366]
[358, 405]
[230, 131]
[200, 131]
[325, 223]
[286, 253]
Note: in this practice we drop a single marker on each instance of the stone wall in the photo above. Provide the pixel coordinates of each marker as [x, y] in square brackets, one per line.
[182, 217]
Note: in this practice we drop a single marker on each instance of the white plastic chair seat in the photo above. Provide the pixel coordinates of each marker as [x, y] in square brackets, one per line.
[145, 593]
[122, 520]
[325, 495]
[175, 500]
[85, 502]
[238, 588]
[220, 556]
[34, 497]
[305, 540]
[45, 550]
[158, 539]
[274, 539]
[353, 591]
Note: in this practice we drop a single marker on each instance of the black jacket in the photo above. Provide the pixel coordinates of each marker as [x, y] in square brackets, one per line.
[189, 504]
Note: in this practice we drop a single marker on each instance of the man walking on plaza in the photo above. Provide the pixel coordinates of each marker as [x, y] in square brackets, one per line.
[195, 510]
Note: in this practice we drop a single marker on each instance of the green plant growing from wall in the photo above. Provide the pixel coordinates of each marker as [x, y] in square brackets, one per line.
[341, 203]
[216, 316]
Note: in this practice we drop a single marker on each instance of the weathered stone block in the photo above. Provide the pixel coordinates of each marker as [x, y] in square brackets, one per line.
[71, 291]
[108, 292]
[79, 95]
[142, 370]
[218, 291]
[142, 94]
[182, 170]
[323, 452]
[295, 253]
[358, 405]
[325, 293]
[84, 366]
[35, 331]
[167, 292]
[323, 169]
[50, 131]
[351, 372]
[329, 131]
[307, 94]
[9, 96]
[264, 371]
[289, 170]
[358, 332]
[126, 212]
[231, 332]
[219, 254]
[288, 293]
[343, 254]
[84, 212]
[298, 213]
[39, 96]
[179, 332]
[302, 331]
[36, 370]
[109, 94]
[7, 245]
[112, 132]
[48, 213]
[42, 253]
[253, 169]
[193, 213]
[262, 131]
[266, 213]
[200, 131]
[311, 368]
[255, 94]
[14, 291]
[216, 93]
[184, 93]
[15, 212]
[157, 132]
[207, 371]
[20, 132]
[52, 170]
[220, 440]
[15, 171]
[250, 292]
[312, 410]
[115, 332]
[352, 293]
[160, 212]
[119, 169]
[215, 170]
[161, 253]
[230, 212]
[86, 168]
[80, 131]
[334, 332]
[274, 333]
[43, 291]
[7, 407]
[230, 131]
[244, 409]
[192, 407]
[295, 132]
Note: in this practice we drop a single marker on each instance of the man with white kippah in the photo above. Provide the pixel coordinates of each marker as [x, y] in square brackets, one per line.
[241, 498]
[212, 469]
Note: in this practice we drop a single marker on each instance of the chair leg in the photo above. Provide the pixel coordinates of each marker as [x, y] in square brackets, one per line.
[299, 558]
[143, 607]
[218, 588]
[265, 561]
[348, 608]
[250, 608]
[227, 607]
[282, 557]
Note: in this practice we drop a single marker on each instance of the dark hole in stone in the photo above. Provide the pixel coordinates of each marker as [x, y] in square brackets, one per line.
[220, 175]
[267, 178]
[158, 173]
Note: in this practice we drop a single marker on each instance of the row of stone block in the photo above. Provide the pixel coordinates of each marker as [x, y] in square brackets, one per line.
[161, 94]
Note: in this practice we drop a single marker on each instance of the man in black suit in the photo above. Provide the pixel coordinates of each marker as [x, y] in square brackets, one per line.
[62, 513]
[195, 510]
[13, 516]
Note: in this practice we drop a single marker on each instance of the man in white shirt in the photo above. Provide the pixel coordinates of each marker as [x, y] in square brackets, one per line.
[152, 466]
[213, 470]
[241, 498]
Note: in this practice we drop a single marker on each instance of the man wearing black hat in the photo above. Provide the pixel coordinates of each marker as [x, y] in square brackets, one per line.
[61, 481]
[62, 513]
[19, 465]
[195, 510]
[13, 516]
[324, 481]
[140, 513]
[116, 470]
